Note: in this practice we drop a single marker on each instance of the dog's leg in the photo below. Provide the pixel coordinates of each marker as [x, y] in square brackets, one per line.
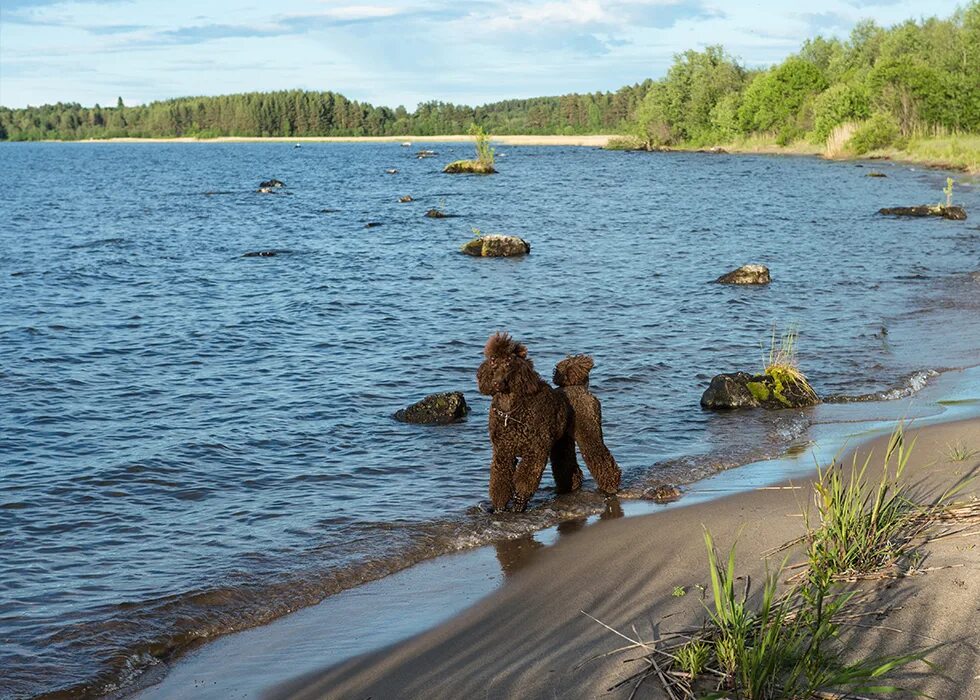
[564, 466]
[501, 478]
[527, 477]
[598, 460]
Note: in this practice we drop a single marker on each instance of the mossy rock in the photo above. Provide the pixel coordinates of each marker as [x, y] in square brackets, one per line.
[773, 390]
[435, 409]
[474, 167]
[753, 273]
[941, 210]
[495, 246]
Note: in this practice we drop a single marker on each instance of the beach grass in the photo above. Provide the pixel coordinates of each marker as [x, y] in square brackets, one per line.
[786, 641]
[766, 646]
[865, 525]
[959, 452]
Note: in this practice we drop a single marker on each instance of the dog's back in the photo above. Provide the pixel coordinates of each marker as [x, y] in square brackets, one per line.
[572, 377]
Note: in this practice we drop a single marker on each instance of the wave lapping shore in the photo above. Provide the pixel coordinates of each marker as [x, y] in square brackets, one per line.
[536, 637]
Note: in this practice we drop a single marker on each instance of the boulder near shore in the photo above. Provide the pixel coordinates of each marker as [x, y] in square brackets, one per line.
[941, 210]
[752, 273]
[496, 246]
[435, 409]
[772, 390]
[474, 167]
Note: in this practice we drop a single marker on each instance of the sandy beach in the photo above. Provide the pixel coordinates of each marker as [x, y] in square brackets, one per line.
[531, 638]
[596, 141]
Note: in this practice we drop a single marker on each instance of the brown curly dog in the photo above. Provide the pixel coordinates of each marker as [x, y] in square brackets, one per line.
[572, 378]
[529, 421]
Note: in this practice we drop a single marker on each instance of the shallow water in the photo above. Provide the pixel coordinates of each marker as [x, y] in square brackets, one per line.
[194, 442]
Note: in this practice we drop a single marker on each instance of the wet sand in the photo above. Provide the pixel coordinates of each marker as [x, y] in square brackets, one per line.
[530, 639]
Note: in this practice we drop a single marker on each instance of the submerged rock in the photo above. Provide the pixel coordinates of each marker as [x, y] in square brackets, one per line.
[747, 274]
[774, 389]
[272, 183]
[426, 154]
[475, 167]
[495, 246]
[392, 171]
[263, 253]
[662, 493]
[406, 198]
[435, 409]
[953, 212]
[436, 214]
[875, 173]
[372, 224]
[265, 190]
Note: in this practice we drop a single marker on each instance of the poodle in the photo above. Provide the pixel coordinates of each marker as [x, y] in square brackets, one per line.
[572, 378]
[529, 421]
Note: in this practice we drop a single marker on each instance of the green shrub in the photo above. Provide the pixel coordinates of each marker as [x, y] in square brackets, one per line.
[837, 105]
[880, 131]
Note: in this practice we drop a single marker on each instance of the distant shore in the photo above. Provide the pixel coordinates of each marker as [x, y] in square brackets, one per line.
[946, 153]
[597, 141]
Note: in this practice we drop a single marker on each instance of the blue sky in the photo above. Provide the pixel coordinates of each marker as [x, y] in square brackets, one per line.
[391, 52]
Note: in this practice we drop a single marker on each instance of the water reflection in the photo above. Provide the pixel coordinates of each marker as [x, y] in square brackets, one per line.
[516, 554]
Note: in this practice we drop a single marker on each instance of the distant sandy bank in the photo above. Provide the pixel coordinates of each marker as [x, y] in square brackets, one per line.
[597, 141]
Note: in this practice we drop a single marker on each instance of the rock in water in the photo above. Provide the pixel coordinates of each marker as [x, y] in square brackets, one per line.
[747, 274]
[773, 390]
[954, 213]
[406, 198]
[729, 391]
[435, 409]
[474, 167]
[272, 183]
[436, 214]
[495, 246]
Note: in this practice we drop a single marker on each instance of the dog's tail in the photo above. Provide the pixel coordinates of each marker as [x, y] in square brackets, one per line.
[574, 371]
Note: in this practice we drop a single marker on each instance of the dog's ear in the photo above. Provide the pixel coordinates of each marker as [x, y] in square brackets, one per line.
[499, 344]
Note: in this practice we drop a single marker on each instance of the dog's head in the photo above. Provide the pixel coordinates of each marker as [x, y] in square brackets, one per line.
[573, 371]
[506, 368]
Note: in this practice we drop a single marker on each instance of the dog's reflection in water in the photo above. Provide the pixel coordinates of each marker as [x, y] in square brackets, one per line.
[514, 555]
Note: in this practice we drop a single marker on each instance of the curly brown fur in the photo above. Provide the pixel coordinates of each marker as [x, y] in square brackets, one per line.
[529, 424]
[572, 377]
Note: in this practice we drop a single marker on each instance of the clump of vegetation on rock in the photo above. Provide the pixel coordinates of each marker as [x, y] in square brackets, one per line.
[483, 165]
[781, 385]
[945, 211]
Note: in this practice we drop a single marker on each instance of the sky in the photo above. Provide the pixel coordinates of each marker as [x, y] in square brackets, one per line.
[392, 52]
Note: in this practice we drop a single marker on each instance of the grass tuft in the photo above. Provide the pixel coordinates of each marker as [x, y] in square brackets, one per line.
[764, 647]
[790, 645]
[958, 452]
[783, 367]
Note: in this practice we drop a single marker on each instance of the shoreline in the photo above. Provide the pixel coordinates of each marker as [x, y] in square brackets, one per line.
[321, 636]
[533, 638]
[756, 147]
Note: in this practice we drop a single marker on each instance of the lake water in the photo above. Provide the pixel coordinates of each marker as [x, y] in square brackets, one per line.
[194, 442]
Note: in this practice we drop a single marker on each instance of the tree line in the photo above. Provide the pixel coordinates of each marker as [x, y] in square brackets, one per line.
[913, 78]
[304, 113]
